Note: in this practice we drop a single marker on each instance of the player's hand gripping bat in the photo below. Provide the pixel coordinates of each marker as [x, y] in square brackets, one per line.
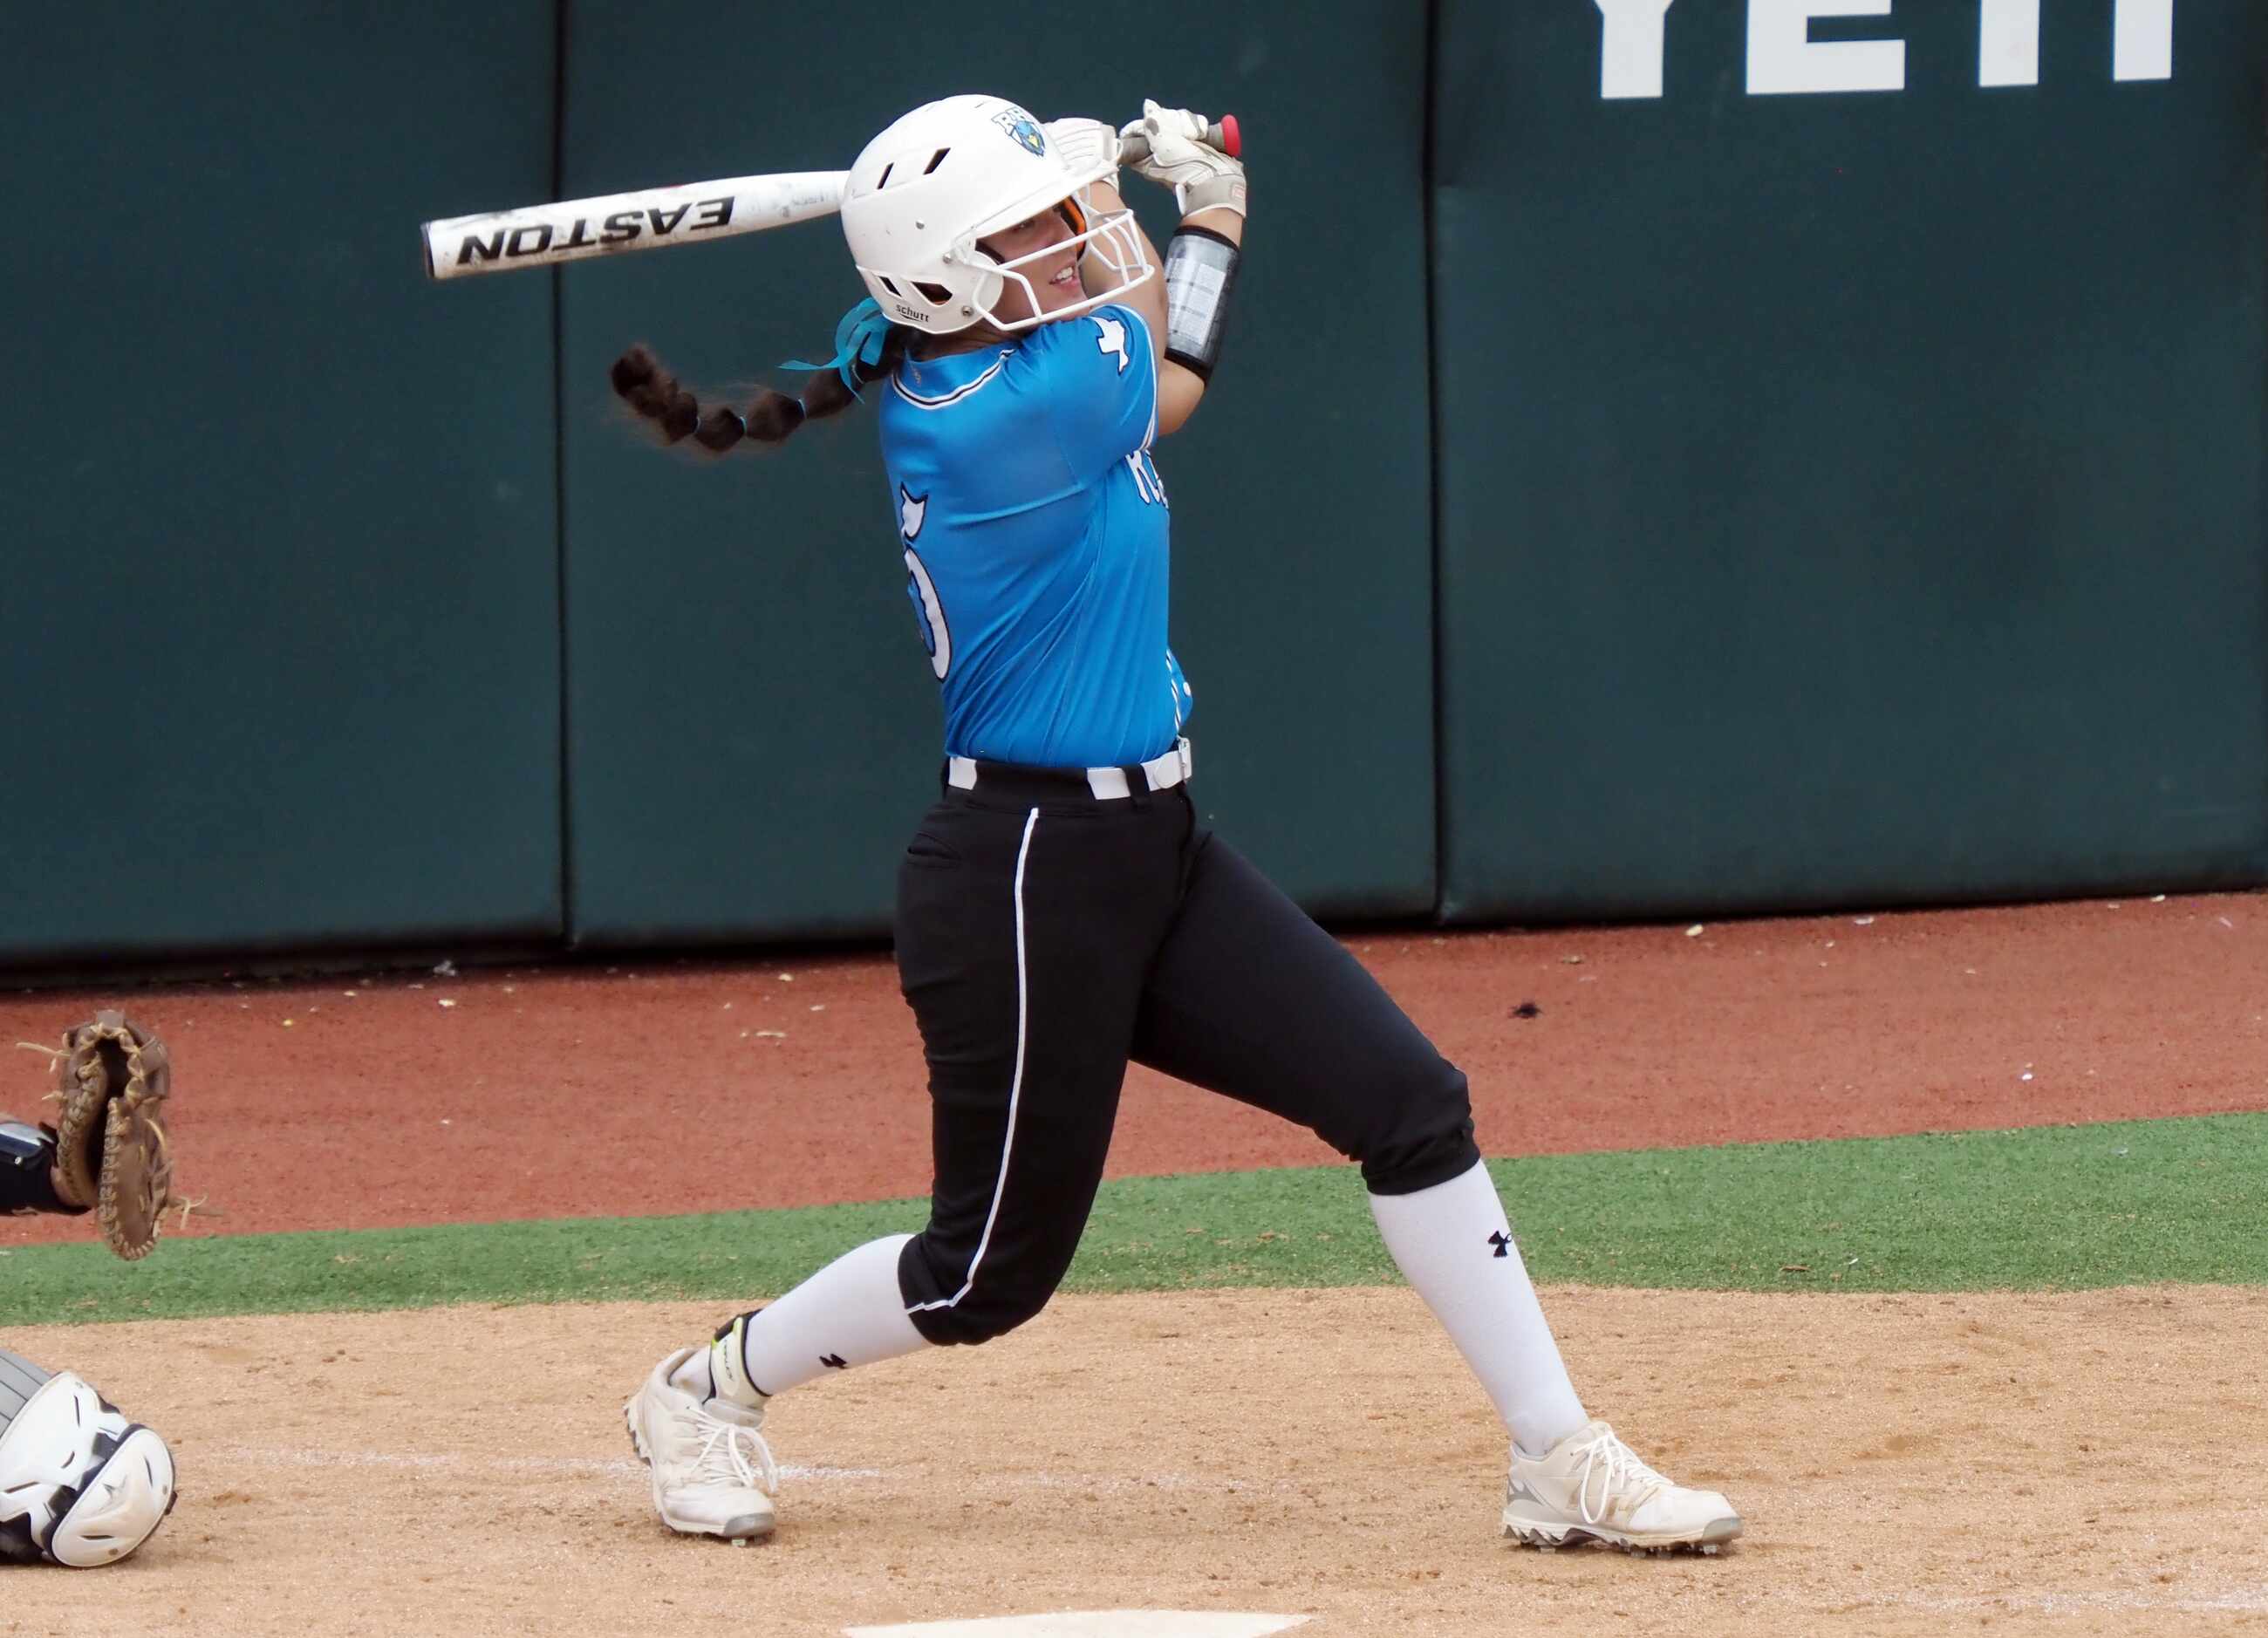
[653, 218]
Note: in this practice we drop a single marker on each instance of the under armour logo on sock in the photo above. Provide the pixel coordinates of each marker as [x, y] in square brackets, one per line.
[1502, 1242]
[835, 1361]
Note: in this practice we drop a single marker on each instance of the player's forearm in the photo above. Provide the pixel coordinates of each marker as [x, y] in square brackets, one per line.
[1218, 219]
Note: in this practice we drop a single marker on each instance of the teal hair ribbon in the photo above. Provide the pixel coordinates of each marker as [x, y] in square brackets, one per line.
[858, 340]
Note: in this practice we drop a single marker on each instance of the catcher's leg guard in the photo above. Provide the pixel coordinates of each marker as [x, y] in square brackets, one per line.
[27, 1159]
[79, 1484]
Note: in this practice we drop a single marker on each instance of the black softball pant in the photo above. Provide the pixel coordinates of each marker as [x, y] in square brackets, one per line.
[1044, 938]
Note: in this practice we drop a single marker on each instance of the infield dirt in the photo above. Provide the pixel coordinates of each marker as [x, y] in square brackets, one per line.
[2077, 1464]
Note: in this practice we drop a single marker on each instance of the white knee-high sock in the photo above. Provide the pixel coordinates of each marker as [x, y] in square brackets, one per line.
[849, 1313]
[1452, 1243]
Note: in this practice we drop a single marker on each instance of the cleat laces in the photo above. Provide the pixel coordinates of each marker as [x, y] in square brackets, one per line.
[724, 1461]
[1618, 1469]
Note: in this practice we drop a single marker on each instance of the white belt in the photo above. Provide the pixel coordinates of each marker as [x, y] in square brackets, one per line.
[1108, 783]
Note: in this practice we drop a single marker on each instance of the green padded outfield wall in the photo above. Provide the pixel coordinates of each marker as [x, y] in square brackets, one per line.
[1849, 495]
[753, 727]
[279, 646]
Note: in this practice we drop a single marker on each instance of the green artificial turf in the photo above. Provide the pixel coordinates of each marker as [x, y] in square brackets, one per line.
[2040, 1207]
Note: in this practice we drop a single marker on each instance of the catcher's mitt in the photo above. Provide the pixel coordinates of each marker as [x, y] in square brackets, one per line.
[111, 1081]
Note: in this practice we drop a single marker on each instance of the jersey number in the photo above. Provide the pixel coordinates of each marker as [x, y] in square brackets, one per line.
[923, 592]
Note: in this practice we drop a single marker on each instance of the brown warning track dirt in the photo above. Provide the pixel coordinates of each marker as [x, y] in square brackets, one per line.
[396, 1098]
[2081, 1464]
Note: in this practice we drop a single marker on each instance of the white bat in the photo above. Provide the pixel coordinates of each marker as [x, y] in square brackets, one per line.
[645, 219]
[650, 219]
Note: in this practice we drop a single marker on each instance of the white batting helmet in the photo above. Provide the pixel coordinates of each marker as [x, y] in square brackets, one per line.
[79, 1484]
[954, 171]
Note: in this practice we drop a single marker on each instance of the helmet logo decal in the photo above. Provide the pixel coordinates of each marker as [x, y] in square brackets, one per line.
[1023, 130]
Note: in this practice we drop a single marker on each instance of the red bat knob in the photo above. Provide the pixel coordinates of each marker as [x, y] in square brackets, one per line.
[1223, 134]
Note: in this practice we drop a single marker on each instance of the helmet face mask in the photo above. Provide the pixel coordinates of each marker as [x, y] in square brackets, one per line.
[1109, 237]
[926, 191]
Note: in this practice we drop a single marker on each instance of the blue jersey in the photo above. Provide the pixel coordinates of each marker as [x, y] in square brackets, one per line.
[1035, 531]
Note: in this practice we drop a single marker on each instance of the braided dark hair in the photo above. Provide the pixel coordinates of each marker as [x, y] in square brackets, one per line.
[647, 386]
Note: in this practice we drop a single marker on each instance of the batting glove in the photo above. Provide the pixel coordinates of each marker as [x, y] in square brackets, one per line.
[1203, 178]
[1085, 144]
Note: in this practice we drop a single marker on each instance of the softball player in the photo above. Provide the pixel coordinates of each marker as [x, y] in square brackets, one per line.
[79, 1484]
[1060, 910]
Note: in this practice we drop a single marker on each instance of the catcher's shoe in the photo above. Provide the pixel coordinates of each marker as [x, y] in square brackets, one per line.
[79, 1484]
[1590, 1486]
[713, 1474]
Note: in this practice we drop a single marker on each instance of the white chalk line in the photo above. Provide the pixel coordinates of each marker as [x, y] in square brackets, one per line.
[543, 1465]
[2083, 1603]
[610, 1467]
[2241, 1599]
[1096, 1624]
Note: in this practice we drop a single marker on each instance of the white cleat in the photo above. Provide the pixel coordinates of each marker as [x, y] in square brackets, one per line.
[713, 1474]
[1590, 1486]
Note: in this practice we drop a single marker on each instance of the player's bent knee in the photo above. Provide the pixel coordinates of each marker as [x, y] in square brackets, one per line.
[1423, 1137]
[80, 1484]
[979, 1318]
[955, 1296]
